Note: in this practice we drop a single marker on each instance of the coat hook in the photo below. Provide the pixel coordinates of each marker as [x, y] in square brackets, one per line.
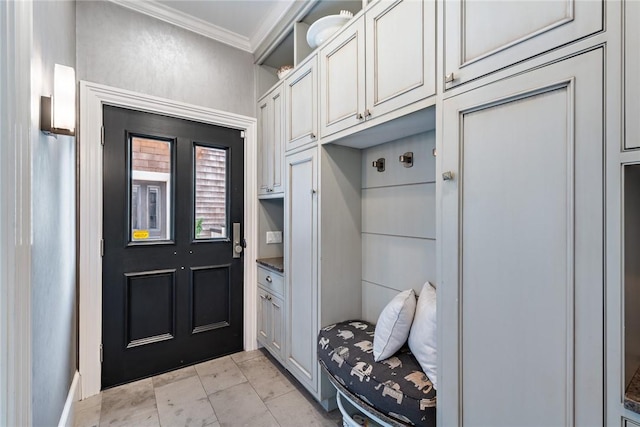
[379, 164]
[407, 159]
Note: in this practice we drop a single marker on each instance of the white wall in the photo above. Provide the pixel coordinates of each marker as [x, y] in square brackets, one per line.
[398, 222]
[125, 49]
[53, 195]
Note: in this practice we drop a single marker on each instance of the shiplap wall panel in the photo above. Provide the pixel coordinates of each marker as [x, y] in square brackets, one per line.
[398, 262]
[374, 298]
[423, 170]
[407, 210]
[398, 221]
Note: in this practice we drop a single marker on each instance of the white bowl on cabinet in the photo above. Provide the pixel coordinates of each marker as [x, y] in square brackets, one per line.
[324, 28]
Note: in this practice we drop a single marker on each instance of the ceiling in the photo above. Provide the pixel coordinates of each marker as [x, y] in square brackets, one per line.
[243, 24]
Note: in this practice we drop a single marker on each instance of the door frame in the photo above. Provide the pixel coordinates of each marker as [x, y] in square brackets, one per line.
[93, 97]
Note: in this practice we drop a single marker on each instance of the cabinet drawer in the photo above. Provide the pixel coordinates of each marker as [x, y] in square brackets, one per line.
[271, 280]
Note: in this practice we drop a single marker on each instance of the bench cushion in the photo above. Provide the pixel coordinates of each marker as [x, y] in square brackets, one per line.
[396, 387]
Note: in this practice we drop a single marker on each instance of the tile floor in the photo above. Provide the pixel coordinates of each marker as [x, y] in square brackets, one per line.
[244, 389]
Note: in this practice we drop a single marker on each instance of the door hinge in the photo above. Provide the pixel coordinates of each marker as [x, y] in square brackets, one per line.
[244, 243]
[101, 247]
[101, 354]
[242, 134]
[102, 136]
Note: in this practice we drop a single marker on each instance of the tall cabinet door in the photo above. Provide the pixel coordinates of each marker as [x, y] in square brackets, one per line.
[484, 36]
[301, 261]
[401, 54]
[521, 341]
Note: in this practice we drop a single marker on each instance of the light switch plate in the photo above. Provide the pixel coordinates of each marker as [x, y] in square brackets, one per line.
[274, 237]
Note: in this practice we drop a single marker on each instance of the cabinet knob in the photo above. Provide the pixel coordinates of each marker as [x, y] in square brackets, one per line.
[313, 136]
[359, 116]
[367, 113]
[269, 279]
[449, 78]
[447, 176]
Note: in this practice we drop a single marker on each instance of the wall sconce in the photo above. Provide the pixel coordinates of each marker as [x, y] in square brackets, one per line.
[58, 112]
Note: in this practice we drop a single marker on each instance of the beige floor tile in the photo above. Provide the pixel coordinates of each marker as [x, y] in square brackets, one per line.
[219, 374]
[293, 409]
[266, 378]
[87, 412]
[177, 375]
[246, 355]
[240, 406]
[132, 404]
[184, 403]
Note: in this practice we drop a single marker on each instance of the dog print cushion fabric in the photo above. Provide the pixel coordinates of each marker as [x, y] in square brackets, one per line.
[396, 386]
[394, 324]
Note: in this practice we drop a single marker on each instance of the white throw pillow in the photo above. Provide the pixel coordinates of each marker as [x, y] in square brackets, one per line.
[422, 339]
[394, 325]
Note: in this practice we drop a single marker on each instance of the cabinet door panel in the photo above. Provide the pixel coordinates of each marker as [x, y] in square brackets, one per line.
[632, 73]
[485, 36]
[401, 52]
[277, 154]
[277, 325]
[264, 324]
[523, 217]
[264, 147]
[301, 105]
[342, 81]
[302, 265]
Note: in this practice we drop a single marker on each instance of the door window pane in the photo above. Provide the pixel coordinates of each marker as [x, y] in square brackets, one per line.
[211, 193]
[150, 205]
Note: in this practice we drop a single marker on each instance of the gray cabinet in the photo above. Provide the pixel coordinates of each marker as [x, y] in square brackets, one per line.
[632, 73]
[301, 259]
[270, 311]
[523, 239]
[379, 63]
[481, 37]
[271, 143]
[323, 258]
[301, 105]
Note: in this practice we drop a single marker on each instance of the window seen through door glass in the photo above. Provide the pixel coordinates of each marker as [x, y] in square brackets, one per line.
[150, 205]
[211, 193]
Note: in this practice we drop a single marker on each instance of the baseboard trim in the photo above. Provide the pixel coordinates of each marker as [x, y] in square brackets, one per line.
[67, 417]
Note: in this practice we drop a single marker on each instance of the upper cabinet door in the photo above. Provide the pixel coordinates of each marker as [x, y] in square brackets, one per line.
[485, 36]
[270, 143]
[401, 54]
[265, 146]
[277, 119]
[301, 91]
[342, 81]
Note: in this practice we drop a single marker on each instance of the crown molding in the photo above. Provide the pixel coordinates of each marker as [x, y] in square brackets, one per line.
[188, 22]
[271, 21]
[279, 30]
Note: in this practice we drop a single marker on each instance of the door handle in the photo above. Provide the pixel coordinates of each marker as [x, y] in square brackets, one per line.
[237, 240]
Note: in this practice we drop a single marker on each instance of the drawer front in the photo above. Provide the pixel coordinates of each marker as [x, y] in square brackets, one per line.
[271, 280]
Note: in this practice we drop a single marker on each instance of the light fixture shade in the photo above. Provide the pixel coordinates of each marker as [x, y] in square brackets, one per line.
[64, 98]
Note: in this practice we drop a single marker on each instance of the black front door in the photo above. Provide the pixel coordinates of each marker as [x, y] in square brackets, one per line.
[172, 291]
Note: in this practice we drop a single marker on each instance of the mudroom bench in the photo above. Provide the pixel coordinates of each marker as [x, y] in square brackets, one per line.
[394, 392]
